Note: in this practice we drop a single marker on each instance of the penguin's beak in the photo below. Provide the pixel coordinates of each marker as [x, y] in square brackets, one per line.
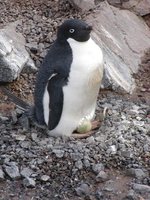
[88, 28]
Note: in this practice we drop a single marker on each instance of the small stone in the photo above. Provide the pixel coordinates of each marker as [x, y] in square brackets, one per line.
[79, 164]
[112, 150]
[34, 136]
[102, 177]
[99, 195]
[14, 117]
[86, 163]
[4, 118]
[20, 137]
[109, 186]
[45, 178]
[137, 173]
[83, 190]
[12, 170]
[131, 196]
[1, 175]
[90, 139]
[29, 182]
[26, 172]
[97, 168]
[58, 152]
[24, 121]
[25, 144]
[141, 188]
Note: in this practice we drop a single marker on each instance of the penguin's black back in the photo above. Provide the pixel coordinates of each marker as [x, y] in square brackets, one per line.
[57, 61]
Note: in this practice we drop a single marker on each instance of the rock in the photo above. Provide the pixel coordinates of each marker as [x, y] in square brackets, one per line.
[13, 55]
[58, 152]
[25, 144]
[109, 186]
[140, 7]
[97, 168]
[83, 5]
[4, 118]
[1, 175]
[86, 163]
[79, 164]
[34, 136]
[20, 137]
[45, 178]
[26, 172]
[123, 47]
[29, 182]
[131, 196]
[141, 188]
[83, 190]
[11, 169]
[115, 2]
[24, 121]
[102, 177]
[137, 173]
[112, 150]
[99, 195]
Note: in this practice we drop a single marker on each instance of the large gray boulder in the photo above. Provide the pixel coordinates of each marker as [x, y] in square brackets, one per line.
[13, 55]
[124, 39]
[141, 7]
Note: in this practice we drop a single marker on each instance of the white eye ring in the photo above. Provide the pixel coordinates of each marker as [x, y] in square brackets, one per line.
[71, 30]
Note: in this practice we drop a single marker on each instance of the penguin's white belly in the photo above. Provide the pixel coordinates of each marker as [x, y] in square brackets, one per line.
[80, 94]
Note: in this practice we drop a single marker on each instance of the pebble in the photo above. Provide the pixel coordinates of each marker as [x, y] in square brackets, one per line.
[26, 172]
[45, 178]
[1, 175]
[83, 190]
[4, 118]
[97, 168]
[29, 182]
[141, 188]
[34, 136]
[58, 152]
[109, 186]
[20, 137]
[25, 144]
[99, 195]
[137, 173]
[79, 164]
[12, 170]
[131, 196]
[101, 177]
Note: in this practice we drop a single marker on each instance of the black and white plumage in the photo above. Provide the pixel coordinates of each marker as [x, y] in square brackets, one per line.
[69, 79]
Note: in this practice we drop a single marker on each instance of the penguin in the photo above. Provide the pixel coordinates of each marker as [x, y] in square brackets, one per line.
[68, 80]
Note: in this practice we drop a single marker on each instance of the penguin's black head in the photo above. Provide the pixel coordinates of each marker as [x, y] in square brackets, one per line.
[74, 28]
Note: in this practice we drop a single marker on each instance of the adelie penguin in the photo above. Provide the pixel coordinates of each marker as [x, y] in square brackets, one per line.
[68, 81]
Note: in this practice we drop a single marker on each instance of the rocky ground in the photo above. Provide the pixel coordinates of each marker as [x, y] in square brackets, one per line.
[113, 164]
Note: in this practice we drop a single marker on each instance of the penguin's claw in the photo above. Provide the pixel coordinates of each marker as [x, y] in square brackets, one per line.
[83, 135]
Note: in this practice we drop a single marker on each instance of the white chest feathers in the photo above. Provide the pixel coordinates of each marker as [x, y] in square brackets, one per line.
[87, 65]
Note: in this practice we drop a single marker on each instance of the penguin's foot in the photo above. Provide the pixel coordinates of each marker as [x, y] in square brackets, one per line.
[81, 135]
[87, 128]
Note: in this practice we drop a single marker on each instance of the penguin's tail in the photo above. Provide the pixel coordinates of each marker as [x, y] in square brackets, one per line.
[16, 100]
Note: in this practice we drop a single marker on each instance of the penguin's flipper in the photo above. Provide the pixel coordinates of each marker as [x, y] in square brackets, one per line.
[55, 92]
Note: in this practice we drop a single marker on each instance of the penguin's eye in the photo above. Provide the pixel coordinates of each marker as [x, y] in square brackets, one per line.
[71, 30]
